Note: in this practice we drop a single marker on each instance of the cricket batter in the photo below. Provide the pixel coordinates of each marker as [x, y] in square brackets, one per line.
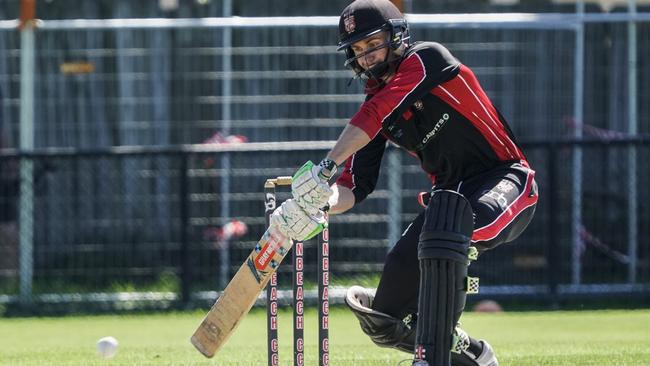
[420, 97]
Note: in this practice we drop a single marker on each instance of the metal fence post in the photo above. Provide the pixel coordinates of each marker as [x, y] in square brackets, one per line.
[394, 196]
[226, 116]
[26, 223]
[553, 226]
[632, 194]
[186, 255]
[576, 216]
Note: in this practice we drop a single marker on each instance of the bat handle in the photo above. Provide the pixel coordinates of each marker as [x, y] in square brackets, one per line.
[279, 181]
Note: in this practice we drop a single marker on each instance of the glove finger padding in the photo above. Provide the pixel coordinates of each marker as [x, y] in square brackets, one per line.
[295, 223]
[310, 191]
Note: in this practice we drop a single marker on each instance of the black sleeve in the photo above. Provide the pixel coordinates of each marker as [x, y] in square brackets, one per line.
[362, 169]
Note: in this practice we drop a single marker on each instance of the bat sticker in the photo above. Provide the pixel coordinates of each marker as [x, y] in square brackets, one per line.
[254, 271]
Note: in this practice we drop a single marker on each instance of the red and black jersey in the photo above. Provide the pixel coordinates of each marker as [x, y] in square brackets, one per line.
[435, 108]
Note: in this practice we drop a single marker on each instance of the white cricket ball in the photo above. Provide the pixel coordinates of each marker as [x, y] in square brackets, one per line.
[107, 347]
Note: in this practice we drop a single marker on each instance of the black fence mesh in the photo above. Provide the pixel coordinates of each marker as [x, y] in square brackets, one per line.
[145, 221]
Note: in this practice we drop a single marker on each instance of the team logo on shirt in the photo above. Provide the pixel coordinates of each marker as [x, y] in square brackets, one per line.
[350, 24]
[436, 128]
[418, 105]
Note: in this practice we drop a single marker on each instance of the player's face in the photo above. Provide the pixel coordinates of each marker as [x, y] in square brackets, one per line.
[371, 50]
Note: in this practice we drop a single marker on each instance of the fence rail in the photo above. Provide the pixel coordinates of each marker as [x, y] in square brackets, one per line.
[497, 20]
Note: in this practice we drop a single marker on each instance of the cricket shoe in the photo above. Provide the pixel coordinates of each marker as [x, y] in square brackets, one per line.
[486, 358]
[466, 358]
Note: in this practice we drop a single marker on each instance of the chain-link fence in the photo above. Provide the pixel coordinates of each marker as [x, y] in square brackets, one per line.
[109, 217]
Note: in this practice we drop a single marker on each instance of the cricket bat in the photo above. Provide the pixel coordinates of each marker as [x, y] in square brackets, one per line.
[243, 289]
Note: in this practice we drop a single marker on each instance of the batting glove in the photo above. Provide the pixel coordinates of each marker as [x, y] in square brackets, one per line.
[295, 223]
[309, 185]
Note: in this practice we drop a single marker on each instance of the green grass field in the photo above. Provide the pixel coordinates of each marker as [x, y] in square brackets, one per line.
[577, 338]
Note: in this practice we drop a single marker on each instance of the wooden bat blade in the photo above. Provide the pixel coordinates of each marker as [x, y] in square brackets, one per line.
[240, 294]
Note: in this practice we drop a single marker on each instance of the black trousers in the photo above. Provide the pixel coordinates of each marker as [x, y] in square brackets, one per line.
[503, 201]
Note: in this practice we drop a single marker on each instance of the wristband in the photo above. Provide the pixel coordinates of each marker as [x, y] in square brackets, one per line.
[328, 168]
